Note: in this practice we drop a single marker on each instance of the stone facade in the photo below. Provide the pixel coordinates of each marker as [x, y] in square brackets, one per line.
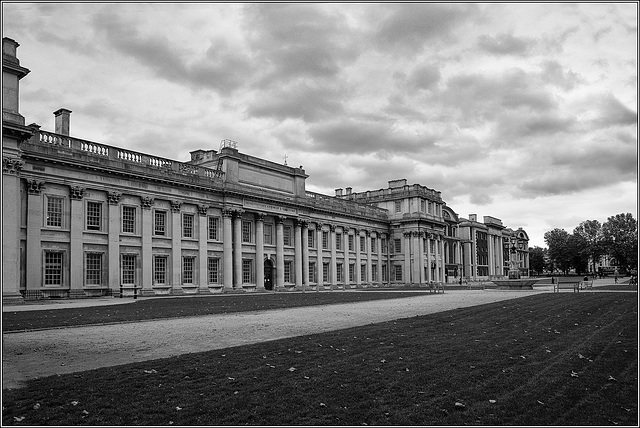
[81, 217]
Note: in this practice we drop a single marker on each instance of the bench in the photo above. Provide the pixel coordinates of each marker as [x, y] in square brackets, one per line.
[435, 286]
[575, 286]
[586, 285]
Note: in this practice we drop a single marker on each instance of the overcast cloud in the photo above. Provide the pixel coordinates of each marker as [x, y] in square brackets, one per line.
[524, 112]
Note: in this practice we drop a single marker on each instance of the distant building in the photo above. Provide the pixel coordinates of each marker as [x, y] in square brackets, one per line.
[81, 218]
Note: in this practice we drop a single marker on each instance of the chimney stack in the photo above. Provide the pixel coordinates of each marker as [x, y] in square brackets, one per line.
[62, 121]
[348, 191]
[338, 193]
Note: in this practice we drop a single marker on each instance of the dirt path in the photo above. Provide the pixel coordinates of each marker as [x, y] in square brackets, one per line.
[43, 353]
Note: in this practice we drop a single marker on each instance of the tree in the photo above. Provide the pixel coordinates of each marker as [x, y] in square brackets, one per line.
[557, 240]
[620, 234]
[591, 232]
[578, 253]
[536, 259]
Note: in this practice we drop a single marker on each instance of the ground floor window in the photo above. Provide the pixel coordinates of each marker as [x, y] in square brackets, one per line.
[339, 273]
[213, 268]
[385, 272]
[128, 269]
[352, 272]
[312, 271]
[363, 273]
[398, 272]
[287, 271]
[160, 270]
[53, 268]
[187, 269]
[247, 271]
[93, 269]
[325, 272]
[374, 273]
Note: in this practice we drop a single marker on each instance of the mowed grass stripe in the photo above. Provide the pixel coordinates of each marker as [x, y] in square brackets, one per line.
[405, 372]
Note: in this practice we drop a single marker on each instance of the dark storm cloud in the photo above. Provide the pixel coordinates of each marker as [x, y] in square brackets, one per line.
[408, 28]
[220, 69]
[505, 44]
[424, 77]
[353, 136]
[299, 101]
[613, 112]
[292, 41]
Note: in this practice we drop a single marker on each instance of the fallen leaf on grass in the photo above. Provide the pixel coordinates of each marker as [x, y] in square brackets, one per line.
[492, 401]
[611, 379]
[74, 403]
[36, 406]
[574, 374]
[540, 402]
[18, 418]
[150, 371]
[178, 408]
[292, 369]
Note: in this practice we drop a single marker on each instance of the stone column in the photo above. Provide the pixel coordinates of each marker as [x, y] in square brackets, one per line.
[280, 251]
[146, 280]
[114, 240]
[421, 255]
[357, 268]
[11, 227]
[367, 247]
[260, 251]
[35, 217]
[201, 277]
[298, 250]
[332, 247]
[227, 248]
[76, 228]
[176, 244]
[441, 249]
[407, 258]
[305, 254]
[467, 267]
[428, 255]
[417, 256]
[319, 267]
[379, 248]
[345, 266]
[237, 249]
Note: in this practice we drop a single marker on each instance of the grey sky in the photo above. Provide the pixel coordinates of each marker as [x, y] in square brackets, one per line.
[524, 112]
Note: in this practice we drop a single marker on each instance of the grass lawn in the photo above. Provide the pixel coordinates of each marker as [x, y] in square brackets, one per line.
[546, 359]
[176, 307]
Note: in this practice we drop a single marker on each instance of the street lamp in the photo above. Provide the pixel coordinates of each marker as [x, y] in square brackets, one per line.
[514, 272]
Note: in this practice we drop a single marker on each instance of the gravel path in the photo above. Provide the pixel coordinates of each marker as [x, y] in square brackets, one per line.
[43, 353]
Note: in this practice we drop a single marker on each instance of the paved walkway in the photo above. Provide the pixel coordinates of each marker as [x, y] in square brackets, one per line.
[43, 353]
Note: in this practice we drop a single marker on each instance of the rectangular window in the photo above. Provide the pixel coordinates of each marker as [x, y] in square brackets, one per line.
[286, 231]
[128, 219]
[325, 240]
[287, 271]
[430, 205]
[397, 245]
[423, 206]
[213, 267]
[363, 273]
[351, 239]
[93, 269]
[398, 272]
[247, 231]
[128, 269]
[159, 223]
[212, 228]
[52, 268]
[385, 273]
[373, 245]
[247, 271]
[160, 270]
[311, 238]
[94, 215]
[363, 246]
[312, 271]
[352, 272]
[187, 270]
[268, 234]
[432, 246]
[398, 206]
[339, 272]
[54, 211]
[325, 272]
[187, 225]
[339, 241]
[374, 272]
[383, 244]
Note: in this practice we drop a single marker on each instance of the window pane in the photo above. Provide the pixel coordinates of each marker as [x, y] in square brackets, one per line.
[187, 270]
[160, 270]
[128, 219]
[212, 269]
[246, 231]
[187, 226]
[93, 270]
[159, 224]
[94, 215]
[128, 269]
[247, 271]
[213, 228]
[54, 211]
[52, 268]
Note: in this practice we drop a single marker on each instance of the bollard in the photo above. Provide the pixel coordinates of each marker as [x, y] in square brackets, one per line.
[121, 293]
[135, 293]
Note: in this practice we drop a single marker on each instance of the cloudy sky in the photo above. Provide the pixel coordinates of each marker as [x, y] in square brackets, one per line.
[524, 112]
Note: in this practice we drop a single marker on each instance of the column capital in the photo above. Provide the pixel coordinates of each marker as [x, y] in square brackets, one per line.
[406, 234]
[367, 233]
[227, 212]
[175, 206]
[76, 192]
[260, 216]
[332, 227]
[147, 202]
[319, 225]
[113, 197]
[11, 165]
[34, 187]
[237, 213]
[302, 222]
[280, 219]
[202, 209]
[416, 233]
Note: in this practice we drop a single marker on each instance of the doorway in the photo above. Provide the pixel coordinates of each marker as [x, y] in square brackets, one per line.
[268, 274]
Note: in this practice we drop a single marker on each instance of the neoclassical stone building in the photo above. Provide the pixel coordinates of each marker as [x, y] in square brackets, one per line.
[81, 217]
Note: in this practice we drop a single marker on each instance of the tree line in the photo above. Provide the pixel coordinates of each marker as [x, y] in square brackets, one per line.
[617, 238]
